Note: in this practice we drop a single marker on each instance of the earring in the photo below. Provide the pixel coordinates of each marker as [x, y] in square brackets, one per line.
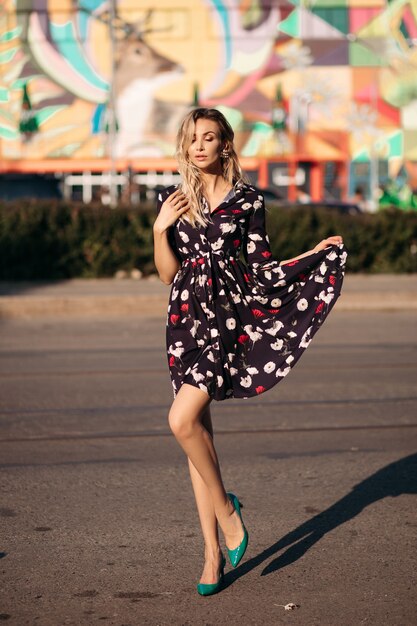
[224, 153]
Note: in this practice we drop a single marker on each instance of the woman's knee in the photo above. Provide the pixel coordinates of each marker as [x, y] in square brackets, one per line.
[180, 424]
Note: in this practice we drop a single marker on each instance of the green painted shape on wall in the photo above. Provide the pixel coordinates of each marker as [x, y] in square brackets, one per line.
[8, 55]
[360, 56]
[331, 3]
[361, 157]
[71, 50]
[291, 25]
[261, 132]
[20, 82]
[11, 34]
[4, 94]
[338, 17]
[404, 30]
[8, 133]
[396, 145]
[233, 116]
[43, 115]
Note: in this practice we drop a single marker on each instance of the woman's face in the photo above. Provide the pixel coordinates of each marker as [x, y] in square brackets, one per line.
[205, 148]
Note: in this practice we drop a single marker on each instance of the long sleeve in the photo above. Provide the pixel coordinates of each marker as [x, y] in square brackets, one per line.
[265, 270]
[161, 197]
[257, 252]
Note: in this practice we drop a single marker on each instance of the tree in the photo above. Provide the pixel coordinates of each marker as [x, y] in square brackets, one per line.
[28, 124]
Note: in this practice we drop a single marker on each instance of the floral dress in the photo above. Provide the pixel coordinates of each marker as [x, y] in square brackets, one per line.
[236, 329]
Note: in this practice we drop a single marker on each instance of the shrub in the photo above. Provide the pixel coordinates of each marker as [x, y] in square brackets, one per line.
[382, 242]
[46, 239]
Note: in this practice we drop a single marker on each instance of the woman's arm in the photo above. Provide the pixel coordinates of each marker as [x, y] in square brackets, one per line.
[166, 262]
[258, 251]
[334, 240]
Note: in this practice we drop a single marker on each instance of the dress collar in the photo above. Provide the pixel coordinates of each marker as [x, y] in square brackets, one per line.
[230, 198]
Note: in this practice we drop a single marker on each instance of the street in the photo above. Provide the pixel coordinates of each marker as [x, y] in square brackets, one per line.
[98, 522]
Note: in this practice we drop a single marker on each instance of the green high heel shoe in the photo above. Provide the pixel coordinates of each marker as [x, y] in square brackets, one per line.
[235, 556]
[209, 590]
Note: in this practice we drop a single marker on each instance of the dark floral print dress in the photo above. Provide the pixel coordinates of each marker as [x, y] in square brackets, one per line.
[236, 329]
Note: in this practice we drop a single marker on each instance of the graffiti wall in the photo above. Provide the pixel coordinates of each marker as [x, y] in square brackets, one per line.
[342, 74]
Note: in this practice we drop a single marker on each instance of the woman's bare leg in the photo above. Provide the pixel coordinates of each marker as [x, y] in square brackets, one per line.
[207, 516]
[185, 421]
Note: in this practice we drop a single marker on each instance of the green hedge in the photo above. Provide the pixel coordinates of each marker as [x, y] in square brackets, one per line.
[51, 240]
[42, 240]
[384, 242]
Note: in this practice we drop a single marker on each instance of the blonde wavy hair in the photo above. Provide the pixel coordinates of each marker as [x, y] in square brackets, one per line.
[192, 184]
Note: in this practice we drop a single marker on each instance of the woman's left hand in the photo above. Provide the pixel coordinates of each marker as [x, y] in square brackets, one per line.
[335, 240]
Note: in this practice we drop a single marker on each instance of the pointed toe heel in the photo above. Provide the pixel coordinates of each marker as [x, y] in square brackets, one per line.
[209, 590]
[236, 555]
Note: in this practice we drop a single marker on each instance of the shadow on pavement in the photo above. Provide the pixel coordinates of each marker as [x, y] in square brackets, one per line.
[16, 288]
[393, 480]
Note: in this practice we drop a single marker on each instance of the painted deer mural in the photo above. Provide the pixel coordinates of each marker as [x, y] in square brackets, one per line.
[368, 59]
[61, 52]
[140, 72]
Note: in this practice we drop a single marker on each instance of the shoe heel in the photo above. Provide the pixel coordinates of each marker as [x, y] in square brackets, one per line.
[209, 590]
[236, 554]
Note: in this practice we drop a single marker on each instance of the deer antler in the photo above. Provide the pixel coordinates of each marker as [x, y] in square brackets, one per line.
[128, 28]
[140, 24]
[144, 20]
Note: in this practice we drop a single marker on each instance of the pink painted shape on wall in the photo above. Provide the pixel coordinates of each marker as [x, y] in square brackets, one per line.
[360, 17]
[242, 92]
[366, 94]
[410, 22]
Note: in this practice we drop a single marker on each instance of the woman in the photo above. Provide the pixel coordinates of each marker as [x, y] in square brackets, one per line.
[233, 329]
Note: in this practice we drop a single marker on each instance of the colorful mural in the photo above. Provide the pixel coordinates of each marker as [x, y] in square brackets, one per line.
[346, 72]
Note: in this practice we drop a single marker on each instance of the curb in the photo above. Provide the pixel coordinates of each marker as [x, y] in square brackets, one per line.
[82, 306]
[25, 307]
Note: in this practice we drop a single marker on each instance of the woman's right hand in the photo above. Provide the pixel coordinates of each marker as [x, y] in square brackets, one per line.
[174, 206]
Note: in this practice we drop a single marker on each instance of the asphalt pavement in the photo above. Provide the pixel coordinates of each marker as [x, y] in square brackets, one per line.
[98, 522]
[148, 297]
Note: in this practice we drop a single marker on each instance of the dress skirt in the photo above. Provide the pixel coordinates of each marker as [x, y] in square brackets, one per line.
[236, 328]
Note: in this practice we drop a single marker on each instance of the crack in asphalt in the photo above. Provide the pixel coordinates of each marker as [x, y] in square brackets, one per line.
[237, 431]
[140, 409]
[160, 370]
